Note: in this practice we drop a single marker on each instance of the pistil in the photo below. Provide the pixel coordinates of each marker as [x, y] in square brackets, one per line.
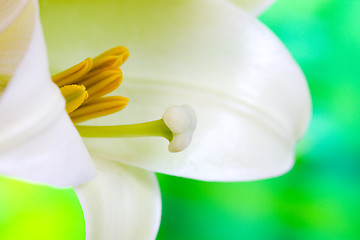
[148, 129]
[177, 126]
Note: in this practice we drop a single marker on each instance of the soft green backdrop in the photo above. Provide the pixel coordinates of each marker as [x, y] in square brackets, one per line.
[318, 199]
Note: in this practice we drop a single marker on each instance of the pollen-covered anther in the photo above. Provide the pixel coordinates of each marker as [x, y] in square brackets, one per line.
[98, 108]
[74, 96]
[71, 75]
[99, 76]
[104, 86]
[105, 62]
[120, 52]
[181, 120]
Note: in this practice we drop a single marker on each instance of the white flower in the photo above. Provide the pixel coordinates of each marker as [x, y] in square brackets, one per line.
[250, 96]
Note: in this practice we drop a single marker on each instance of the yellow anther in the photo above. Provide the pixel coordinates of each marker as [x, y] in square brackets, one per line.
[105, 62]
[74, 96]
[104, 86]
[71, 75]
[84, 85]
[121, 52]
[95, 76]
[98, 108]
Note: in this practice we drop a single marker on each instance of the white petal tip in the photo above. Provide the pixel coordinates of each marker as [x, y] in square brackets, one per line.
[181, 120]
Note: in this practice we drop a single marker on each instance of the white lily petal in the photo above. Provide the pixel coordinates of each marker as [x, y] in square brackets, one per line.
[250, 96]
[123, 202]
[254, 7]
[9, 12]
[15, 34]
[38, 142]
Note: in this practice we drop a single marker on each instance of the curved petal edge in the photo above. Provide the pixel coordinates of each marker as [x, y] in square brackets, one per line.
[123, 202]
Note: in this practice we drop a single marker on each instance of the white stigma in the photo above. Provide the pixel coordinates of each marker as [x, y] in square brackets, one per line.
[181, 120]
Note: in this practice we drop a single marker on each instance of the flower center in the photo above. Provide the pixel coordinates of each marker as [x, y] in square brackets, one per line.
[84, 87]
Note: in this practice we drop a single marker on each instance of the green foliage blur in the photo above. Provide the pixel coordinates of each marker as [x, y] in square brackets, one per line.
[318, 199]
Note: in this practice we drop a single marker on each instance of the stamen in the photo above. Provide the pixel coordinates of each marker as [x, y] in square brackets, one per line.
[107, 61]
[74, 96]
[98, 108]
[177, 126]
[121, 52]
[70, 75]
[104, 86]
[99, 76]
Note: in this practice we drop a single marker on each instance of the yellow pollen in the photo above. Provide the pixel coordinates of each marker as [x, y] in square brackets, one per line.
[85, 84]
[70, 75]
[97, 75]
[107, 61]
[121, 52]
[104, 86]
[98, 108]
[74, 96]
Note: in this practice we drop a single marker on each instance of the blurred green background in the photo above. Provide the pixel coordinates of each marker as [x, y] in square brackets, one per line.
[318, 199]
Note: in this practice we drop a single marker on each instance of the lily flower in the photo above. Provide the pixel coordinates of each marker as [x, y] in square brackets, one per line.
[250, 96]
